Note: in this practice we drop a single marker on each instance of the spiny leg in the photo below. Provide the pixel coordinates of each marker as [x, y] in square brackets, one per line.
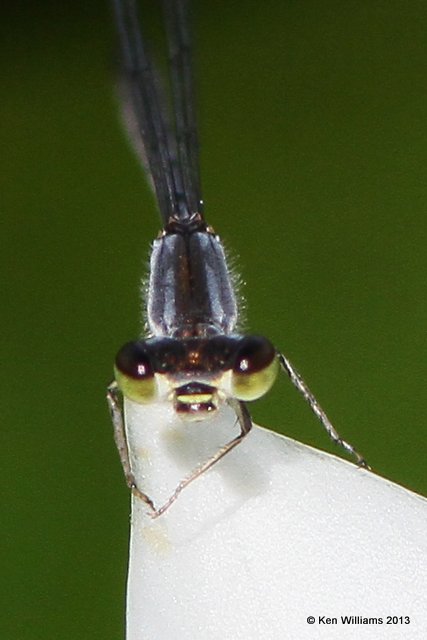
[245, 423]
[299, 383]
[116, 410]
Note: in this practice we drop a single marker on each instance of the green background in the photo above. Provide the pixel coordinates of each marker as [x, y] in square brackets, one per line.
[313, 119]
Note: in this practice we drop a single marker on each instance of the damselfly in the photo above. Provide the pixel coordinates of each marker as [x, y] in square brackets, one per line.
[192, 355]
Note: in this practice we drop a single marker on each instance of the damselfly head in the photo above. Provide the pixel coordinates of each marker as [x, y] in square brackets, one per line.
[196, 374]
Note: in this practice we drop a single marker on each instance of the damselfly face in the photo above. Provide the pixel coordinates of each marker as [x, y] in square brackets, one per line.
[196, 374]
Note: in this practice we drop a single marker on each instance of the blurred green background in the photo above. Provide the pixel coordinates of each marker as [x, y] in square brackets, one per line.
[313, 121]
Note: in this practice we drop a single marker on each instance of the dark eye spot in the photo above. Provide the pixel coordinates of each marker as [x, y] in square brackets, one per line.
[134, 361]
[254, 354]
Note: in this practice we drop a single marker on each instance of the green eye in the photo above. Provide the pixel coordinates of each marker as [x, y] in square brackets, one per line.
[134, 373]
[255, 368]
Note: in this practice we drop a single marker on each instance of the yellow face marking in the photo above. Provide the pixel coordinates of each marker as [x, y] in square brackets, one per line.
[142, 391]
[195, 398]
[254, 385]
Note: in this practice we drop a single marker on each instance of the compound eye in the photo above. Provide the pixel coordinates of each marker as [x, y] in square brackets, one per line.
[255, 368]
[134, 372]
